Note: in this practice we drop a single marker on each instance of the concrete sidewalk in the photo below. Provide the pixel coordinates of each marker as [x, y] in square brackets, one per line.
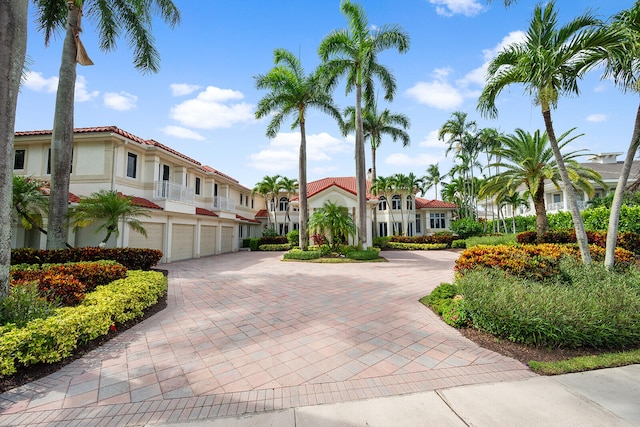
[607, 397]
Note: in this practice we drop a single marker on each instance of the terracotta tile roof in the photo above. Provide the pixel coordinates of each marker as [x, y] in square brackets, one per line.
[46, 190]
[142, 202]
[262, 213]
[241, 218]
[347, 183]
[202, 211]
[433, 204]
[217, 172]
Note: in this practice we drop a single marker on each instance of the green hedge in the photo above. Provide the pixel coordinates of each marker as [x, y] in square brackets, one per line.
[299, 254]
[54, 338]
[416, 246]
[132, 258]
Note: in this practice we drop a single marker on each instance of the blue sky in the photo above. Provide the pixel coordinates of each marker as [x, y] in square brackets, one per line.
[202, 100]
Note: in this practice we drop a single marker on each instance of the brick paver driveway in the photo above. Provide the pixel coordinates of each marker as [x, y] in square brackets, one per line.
[245, 333]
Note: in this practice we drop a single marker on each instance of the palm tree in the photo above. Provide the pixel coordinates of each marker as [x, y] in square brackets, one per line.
[133, 17]
[292, 93]
[13, 47]
[384, 186]
[406, 186]
[513, 199]
[29, 202]
[335, 220]
[290, 187]
[375, 125]
[269, 188]
[353, 52]
[549, 63]
[431, 179]
[622, 67]
[456, 128]
[528, 160]
[108, 208]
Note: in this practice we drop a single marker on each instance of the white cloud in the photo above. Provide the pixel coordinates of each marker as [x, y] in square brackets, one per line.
[181, 89]
[596, 118]
[122, 101]
[600, 88]
[183, 133]
[457, 7]
[213, 108]
[81, 92]
[405, 160]
[37, 82]
[282, 153]
[432, 141]
[436, 94]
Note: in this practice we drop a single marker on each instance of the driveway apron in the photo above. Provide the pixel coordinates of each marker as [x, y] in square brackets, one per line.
[247, 333]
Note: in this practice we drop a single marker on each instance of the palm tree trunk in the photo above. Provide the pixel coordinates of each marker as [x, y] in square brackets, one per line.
[13, 46]
[302, 189]
[62, 137]
[374, 229]
[361, 178]
[581, 235]
[616, 204]
[542, 222]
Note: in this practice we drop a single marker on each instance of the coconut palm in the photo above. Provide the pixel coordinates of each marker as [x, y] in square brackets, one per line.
[622, 66]
[549, 63]
[528, 160]
[353, 52]
[431, 180]
[406, 186]
[269, 188]
[29, 202]
[334, 220]
[292, 93]
[384, 186]
[13, 47]
[290, 187]
[108, 208]
[131, 17]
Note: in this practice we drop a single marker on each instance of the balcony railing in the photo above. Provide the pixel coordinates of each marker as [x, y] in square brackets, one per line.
[582, 205]
[169, 191]
[224, 204]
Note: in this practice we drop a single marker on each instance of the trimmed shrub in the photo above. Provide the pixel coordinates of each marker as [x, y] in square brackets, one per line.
[459, 244]
[293, 237]
[455, 313]
[246, 243]
[381, 242]
[299, 254]
[132, 258]
[254, 243]
[275, 247]
[466, 227]
[369, 254]
[440, 297]
[273, 240]
[416, 246]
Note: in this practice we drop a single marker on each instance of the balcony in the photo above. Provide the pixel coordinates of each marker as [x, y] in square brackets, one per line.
[552, 207]
[223, 204]
[166, 190]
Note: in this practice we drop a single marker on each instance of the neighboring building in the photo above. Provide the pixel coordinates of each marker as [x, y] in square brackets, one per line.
[403, 214]
[195, 209]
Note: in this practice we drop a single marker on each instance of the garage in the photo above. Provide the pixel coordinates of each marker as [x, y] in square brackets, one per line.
[182, 242]
[207, 240]
[154, 239]
[227, 239]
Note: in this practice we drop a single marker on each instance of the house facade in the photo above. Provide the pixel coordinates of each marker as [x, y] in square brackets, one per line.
[194, 209]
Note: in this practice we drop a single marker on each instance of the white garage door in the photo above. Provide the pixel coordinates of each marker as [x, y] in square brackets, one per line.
[227, 239]
[154, 239]
[181, 242]
[207, 240]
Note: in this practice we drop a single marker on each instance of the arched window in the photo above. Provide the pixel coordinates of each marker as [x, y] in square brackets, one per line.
[396, 202]
[409, 203]
[382, 204]
[282, 205]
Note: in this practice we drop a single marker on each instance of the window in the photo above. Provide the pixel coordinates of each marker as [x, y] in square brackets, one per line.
[418, 224]
[241, 198]
[18, 159]
[556, 198]
[165, 172]
[437, 220]
[410, 229]
[283, 203]
[197, 186]
[132, 165]
[215, 190]
[383, 229]
[49, 162]
[296, 226]
[409, 204]
[240, 228]
[396, 202]
[382, 204]
[283, 229]
[252, 203]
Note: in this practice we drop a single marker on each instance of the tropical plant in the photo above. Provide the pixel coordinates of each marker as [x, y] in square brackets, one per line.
[13, 47]
[29, 202]
[527, 160]
[432, 179]
[290, 187]
[291, 94]
[549, 63]
[384, 187]
[334, 222]
[514, 200]
[132, 17]
[269, 188]
[353, 52]
[406, 186]
[108, 208]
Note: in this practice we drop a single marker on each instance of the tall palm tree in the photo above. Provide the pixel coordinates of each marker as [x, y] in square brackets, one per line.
[375, 125]
[335, 220]
[528, 160]
[622, 66]
[432, 179]
[453, 131]
[384, 187]
[131, 17]
[292, 92]
[108, 208]
[290, 187]
[514, 200]
[269, 188]
[29, 202]
[13, 47]
[549, 63]
[353, 52]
